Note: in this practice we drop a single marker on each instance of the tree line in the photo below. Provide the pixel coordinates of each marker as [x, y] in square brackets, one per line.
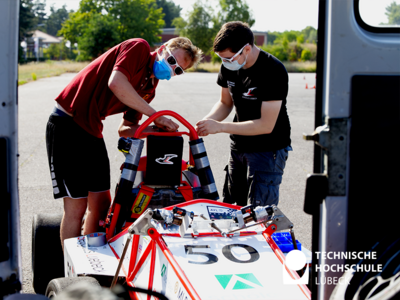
[100, 24]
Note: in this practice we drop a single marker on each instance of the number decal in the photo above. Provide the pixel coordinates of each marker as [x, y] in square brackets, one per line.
[227, 252]
[212, 259]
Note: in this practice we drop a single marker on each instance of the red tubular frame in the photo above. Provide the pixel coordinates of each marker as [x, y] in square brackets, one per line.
[156, 237]
[192, 132]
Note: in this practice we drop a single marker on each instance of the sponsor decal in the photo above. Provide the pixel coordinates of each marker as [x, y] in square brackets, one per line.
[249, 95]
[238, 281]
[216, 212]
[182, 294]
[95, 262]
[176, 287]
[166, 160]
[163, 269]
[141, 201]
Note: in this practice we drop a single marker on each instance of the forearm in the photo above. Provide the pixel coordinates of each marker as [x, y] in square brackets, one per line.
[123, 90]
[129, 131]
[219, 112]
[249, 128]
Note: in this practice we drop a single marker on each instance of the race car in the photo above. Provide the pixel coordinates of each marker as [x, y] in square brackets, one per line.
[173, 240]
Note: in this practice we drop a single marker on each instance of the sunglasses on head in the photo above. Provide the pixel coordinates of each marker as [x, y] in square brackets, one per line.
[229, 60]
[173, 62]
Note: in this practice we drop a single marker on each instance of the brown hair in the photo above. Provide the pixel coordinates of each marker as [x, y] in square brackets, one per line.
[191, 51]
[233, 36]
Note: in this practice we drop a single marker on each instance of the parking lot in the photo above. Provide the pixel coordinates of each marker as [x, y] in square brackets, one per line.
[191, 96]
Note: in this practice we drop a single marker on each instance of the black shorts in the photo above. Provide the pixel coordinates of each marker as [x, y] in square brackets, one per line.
[78, 161]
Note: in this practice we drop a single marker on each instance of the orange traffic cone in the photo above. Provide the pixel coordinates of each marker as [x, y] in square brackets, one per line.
[313, 87]
[306, 86]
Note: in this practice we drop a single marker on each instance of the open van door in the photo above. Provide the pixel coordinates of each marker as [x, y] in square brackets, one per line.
[10, 243]
[353, 194]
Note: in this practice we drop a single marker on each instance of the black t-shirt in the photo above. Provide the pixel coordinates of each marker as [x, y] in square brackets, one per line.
[266, 80]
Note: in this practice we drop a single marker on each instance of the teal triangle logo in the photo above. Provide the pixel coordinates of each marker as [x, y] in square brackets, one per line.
[241, 286]
[224, 279]
[250, 277]
[239, 281]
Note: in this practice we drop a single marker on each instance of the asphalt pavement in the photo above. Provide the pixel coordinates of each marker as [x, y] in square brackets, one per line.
[191, 96]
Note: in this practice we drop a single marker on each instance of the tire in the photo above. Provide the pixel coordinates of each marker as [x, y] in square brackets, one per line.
[58, 285]
[374, 285]
[47, 253]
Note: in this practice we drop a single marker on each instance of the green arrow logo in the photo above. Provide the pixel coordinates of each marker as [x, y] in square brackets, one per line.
[242, 281]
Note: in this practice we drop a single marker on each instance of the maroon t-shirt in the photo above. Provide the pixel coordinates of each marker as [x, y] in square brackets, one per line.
[89, 99]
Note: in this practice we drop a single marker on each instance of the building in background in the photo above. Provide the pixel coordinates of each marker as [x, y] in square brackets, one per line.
[33, 46]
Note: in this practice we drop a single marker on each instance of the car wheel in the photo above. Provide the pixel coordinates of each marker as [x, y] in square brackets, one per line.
[381, 282]
[58, 285]
[47, 254]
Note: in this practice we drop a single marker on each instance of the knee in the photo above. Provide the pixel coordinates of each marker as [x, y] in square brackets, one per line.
[74, 209]
[99, 202]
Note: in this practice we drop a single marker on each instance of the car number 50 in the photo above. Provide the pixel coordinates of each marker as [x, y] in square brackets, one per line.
[226, 251]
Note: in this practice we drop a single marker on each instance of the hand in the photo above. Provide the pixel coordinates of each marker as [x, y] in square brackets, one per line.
[166, 124]
[206, 127]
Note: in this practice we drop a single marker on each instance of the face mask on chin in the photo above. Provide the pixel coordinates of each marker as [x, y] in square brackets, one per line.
[161, 69]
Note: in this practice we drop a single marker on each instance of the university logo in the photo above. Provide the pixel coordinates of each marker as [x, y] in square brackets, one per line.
[166, 160]
[238, 281]
[249, 92]
[295, 261]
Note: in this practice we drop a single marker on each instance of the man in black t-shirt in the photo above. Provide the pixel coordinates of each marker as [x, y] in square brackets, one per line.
[256, 84]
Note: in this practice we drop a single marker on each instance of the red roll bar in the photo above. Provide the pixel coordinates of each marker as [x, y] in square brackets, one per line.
[192, 132]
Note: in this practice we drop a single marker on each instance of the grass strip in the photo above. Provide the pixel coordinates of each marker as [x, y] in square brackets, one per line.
[33, 71]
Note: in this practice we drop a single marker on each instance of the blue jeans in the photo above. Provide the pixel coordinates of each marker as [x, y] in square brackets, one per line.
[254, 178]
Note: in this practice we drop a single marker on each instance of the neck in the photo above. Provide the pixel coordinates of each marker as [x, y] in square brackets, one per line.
[252, 57]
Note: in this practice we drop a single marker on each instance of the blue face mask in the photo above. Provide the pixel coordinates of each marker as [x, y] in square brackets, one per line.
[234, 65]
[162, 69]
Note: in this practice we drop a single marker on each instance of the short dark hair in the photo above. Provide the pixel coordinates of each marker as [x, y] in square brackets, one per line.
[233, 35]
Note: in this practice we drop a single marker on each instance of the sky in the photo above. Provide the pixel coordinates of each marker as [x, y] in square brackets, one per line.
[278, 15]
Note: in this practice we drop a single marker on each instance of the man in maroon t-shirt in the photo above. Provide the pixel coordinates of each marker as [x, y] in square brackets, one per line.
[122, 80]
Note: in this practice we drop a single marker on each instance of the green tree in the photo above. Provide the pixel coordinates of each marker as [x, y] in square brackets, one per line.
[59, 51]
[101, 24]
[26, 24]
[39, 9]
[235, 10]
[306, 55]
[202, 23]
[393, 13]
[56, 18]
[100, 35]
[170, 10]
[198, 28]
[310, 34]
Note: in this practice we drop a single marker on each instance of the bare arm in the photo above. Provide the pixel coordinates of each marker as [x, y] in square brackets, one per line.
[264, 125]
[222, 108]
[128, 129]
[123, 90]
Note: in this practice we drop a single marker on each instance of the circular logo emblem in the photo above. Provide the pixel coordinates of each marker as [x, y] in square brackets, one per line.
[176, 287]
[296, 260]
